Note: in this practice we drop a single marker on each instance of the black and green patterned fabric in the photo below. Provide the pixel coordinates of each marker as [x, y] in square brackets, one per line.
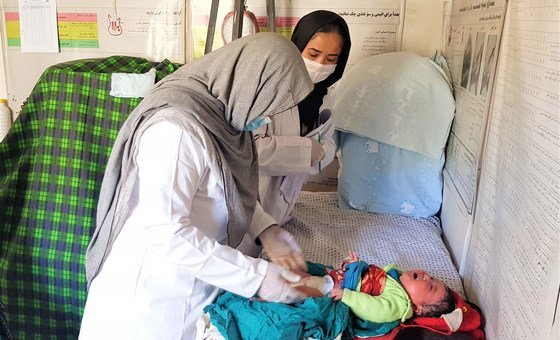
[4, 335]
[51, 167]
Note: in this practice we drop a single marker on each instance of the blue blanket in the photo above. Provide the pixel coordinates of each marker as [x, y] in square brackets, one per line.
[239, 318]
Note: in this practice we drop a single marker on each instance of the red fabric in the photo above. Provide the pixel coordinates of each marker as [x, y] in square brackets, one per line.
[373, 280]
[337, 276]
[471, 321]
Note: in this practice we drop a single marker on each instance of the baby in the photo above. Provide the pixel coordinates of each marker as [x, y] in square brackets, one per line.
[382, 294]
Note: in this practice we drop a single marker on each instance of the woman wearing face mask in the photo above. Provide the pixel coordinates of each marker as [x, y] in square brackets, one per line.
[286, 156]
[179, 194]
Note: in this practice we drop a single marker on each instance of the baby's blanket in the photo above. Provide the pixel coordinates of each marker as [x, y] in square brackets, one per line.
[237, 317]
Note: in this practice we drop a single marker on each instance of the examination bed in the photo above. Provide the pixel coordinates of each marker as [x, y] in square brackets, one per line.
[326, 232]
[393, 112]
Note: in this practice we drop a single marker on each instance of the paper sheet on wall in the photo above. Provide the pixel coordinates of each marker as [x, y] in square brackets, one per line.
[38, 26]
[514, 259]
[375, 27]
[95, 29]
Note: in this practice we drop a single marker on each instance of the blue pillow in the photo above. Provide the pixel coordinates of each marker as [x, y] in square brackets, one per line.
[397, 98]
[381, 178]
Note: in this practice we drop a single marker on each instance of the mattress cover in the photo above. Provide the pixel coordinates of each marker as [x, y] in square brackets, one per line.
[326, 233]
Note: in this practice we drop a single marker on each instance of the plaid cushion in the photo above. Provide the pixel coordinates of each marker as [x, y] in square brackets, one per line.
[51, 167]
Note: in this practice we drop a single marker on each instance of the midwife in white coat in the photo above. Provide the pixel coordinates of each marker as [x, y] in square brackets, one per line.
[287, 153]
[180, 192]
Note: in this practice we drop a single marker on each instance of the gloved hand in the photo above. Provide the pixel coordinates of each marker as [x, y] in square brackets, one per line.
[317, 152]
[282, 248]
[276, 285]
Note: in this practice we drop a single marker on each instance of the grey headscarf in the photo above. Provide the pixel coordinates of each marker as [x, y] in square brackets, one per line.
[217, 95]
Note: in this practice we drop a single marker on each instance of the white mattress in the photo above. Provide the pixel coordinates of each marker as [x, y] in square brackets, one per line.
[326, 232]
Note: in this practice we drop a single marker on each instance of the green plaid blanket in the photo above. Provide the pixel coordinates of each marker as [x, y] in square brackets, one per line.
[51, 167]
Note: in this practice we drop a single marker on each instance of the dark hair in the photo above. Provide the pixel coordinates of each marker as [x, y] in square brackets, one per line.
[446, 305]
[333, 27]
[325, 22]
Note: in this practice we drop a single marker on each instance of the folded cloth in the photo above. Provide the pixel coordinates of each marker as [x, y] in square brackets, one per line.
[132, 85]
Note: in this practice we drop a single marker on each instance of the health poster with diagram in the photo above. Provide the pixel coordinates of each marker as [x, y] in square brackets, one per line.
[513, 265]
[471, 49]
[473, 31]
[154, 30]
[375, 27]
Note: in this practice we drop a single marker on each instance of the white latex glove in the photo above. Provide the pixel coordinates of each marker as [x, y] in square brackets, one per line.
[276, 285]
[317, 152]
[282, 248]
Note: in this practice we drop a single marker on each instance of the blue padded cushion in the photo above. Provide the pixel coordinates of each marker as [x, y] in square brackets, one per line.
[381, 178]
[397, 98]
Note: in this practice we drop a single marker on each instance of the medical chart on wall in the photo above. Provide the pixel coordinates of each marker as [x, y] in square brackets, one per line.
[471, 49]
[472, 34]
[154, 30]
[514, 259]
[375, 26]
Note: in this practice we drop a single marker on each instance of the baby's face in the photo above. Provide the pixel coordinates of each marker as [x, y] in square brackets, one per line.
[422, 288]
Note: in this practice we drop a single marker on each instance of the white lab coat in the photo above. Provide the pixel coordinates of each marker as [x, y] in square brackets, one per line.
[169, 261]
[285, 162]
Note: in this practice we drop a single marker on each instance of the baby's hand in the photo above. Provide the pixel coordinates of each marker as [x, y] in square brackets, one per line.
[336, 294]
[353, 256]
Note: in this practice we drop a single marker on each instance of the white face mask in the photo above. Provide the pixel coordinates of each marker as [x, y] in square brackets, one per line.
[318, 72]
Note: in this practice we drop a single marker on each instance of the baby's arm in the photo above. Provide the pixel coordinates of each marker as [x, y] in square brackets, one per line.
[381, 308]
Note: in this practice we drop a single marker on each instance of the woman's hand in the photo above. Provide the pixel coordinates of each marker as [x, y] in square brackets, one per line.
[317, 152]
[277, 286]
[282, 248]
